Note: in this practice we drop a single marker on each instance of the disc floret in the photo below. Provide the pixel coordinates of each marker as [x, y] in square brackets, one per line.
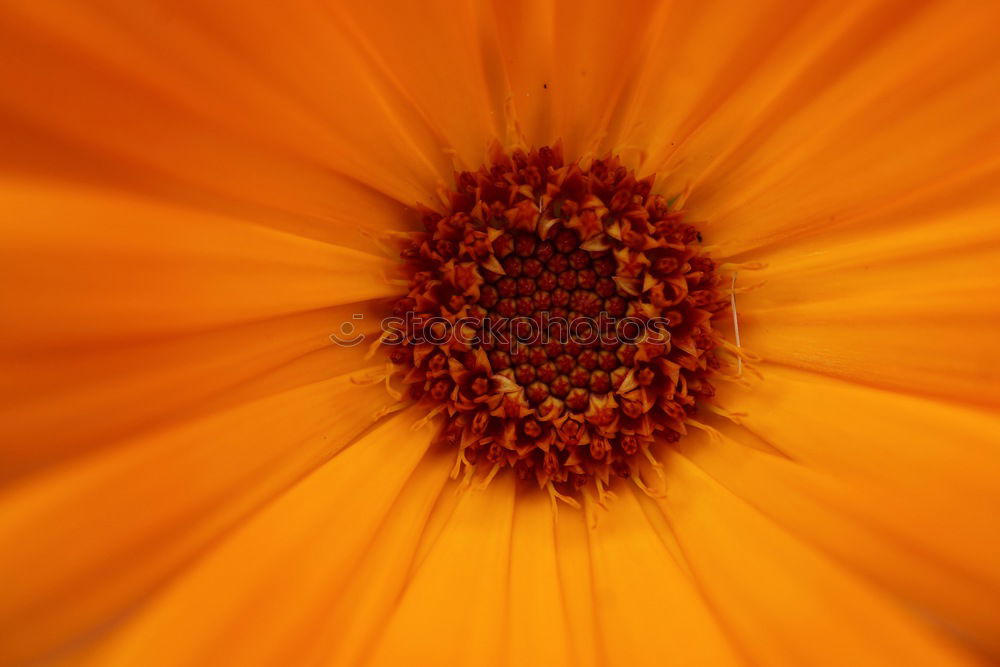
[531, 257]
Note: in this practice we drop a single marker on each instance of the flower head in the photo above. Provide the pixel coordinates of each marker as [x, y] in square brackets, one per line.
[200, 198]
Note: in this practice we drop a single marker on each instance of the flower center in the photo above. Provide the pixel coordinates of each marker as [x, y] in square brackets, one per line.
[560, 316]
[553, 293]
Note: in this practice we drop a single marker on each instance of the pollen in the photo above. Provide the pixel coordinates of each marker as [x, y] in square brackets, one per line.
[560, 317]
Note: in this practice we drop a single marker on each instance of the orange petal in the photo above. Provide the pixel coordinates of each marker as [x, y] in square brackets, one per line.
[573, 560]
[83, 398]
[288, 563]
[648, 609]
[911, 306]
[901, 488]
[455, 88]
[454, 609]
[354, 620]
[137, 512]
[844, 110]
[570, 65]
[81, 266]
[538, 628]
[239, 98]
[783, 601]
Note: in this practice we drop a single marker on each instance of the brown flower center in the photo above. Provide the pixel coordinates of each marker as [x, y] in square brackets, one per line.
[560, 315]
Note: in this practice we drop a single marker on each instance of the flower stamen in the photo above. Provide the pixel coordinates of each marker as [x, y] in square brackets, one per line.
[562, 315]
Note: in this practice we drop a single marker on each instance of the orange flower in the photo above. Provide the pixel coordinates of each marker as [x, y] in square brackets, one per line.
[191, 473]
